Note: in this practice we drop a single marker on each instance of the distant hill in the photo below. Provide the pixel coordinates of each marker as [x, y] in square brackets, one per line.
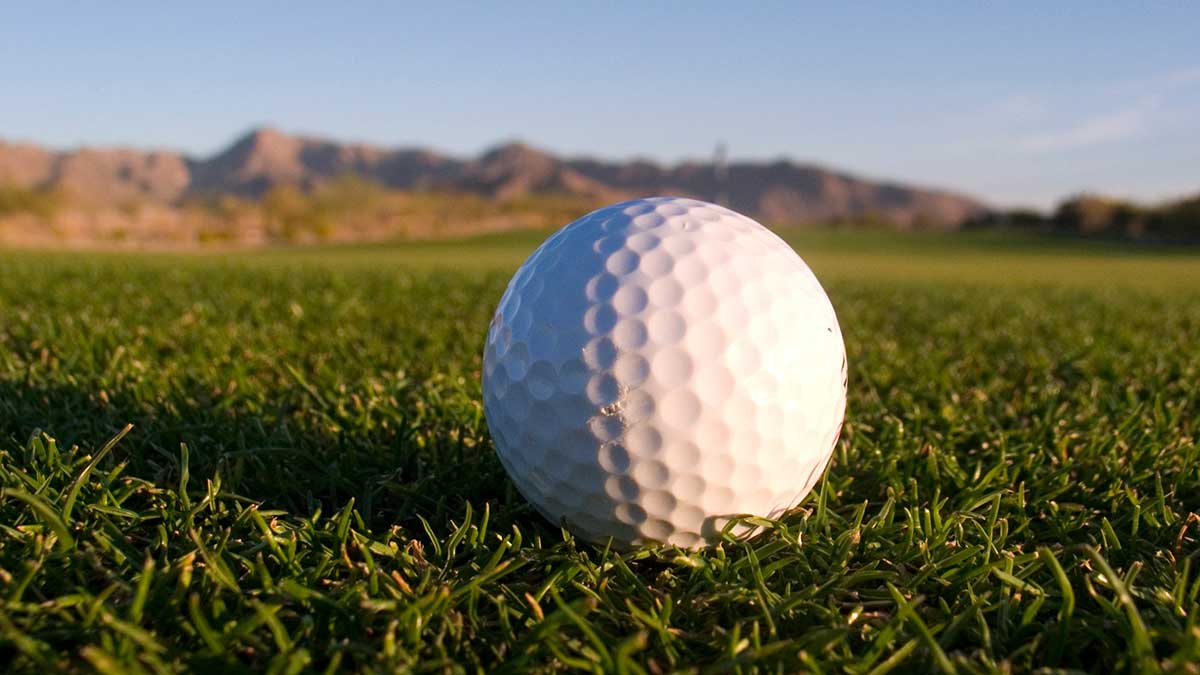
[779, 193]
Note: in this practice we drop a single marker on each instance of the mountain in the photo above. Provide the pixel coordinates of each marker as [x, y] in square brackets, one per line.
[516, 170]
[97, 176]
[779, 192]
[787, 192]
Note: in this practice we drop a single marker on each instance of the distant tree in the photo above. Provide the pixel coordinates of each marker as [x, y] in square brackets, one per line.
[291, 215]
[1025, 219]
[1017, 219]
[42, 203]
[1178, 221]
[1090, 215]
[1099, 216]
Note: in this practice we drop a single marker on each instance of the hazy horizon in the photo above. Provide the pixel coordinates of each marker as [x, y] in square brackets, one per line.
[1013, 105]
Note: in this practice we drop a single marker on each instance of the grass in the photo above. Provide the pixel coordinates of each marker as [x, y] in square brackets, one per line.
[308, 484]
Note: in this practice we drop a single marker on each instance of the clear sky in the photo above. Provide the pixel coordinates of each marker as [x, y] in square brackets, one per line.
[1018, 103]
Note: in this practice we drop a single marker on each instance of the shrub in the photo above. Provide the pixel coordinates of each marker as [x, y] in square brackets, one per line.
[40, 202]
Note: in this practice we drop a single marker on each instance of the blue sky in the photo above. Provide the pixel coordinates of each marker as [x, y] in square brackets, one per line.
[1017, 103]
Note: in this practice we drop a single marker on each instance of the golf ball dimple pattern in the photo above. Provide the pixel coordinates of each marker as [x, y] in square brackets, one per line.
[659, 366]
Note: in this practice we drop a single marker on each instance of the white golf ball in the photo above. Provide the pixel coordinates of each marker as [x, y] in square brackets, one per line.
[660, 366]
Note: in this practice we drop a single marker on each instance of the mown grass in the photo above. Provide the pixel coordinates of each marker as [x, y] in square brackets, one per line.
[308, 484]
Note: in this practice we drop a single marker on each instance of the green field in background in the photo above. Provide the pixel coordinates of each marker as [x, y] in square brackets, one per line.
[953, 257]
[309, 484]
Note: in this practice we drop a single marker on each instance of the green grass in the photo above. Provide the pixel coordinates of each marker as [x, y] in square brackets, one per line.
[309, 485]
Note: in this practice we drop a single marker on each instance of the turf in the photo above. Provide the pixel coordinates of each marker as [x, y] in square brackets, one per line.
[308, 483]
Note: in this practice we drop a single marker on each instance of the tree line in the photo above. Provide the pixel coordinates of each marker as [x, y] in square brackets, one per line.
[1095, 216]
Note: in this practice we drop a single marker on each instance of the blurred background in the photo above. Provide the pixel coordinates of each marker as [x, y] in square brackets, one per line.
[141, 125]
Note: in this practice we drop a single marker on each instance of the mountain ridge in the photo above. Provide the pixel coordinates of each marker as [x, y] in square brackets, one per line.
[780, 191]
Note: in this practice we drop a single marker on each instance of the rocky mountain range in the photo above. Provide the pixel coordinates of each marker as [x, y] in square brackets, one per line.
[779, 192]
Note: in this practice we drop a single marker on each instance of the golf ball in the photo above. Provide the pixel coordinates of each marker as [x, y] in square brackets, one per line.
[660, 366]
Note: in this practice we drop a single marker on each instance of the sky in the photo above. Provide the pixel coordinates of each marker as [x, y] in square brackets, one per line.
[1020, 104]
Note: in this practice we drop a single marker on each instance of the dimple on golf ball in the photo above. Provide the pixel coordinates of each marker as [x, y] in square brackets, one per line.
[660, 366]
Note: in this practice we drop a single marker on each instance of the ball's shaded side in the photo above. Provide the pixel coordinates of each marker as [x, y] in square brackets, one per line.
[660, 365]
